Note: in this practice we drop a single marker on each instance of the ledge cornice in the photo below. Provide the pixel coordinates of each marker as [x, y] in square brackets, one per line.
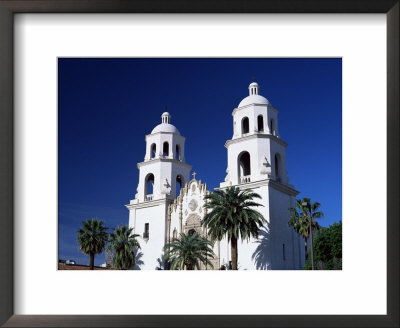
[266, 182]
[150, 203]
[255, 105]
[158, 160]
[161, 132]
[253, 136]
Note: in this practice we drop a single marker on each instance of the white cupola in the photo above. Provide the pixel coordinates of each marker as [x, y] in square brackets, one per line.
[253, 88]
[165, 117]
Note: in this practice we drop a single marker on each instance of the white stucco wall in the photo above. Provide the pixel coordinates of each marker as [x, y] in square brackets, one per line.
[153, 213]
[266, 252]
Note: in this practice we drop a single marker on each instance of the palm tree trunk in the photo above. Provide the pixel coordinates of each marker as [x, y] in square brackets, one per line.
[305, 249]
[234, 253]
[91, 261]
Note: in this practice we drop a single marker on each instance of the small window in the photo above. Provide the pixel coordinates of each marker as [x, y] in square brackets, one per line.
[175, 234]
[177, 152]
[146, 231]
[284, 252]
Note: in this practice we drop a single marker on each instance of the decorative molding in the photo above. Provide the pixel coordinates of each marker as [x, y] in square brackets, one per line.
[193, 205]
[269, 106]
[266, 182]
[163, 132]
[150, 203]
[254, 136]
[163, 159]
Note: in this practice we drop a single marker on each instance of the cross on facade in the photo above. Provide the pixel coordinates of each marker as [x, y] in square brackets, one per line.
[194, 175]
[254, 78]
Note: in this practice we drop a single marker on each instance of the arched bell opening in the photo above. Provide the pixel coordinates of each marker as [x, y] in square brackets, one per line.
[245, 125]
[165, 149]
[178, 152]
[244, 167]
[149, 187]
[260, 123]
[153, 150]
[179, 184]
[272, 126]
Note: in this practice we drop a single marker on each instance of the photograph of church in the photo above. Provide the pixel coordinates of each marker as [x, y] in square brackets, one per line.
[256, 161]
[144, 144]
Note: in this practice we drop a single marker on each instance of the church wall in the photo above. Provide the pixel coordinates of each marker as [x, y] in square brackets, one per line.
[255, 253]
[282, 233]
[266, 252]
[175, 223]
[151, 248]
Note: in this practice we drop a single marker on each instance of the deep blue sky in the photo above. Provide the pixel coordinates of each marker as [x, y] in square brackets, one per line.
[107, 106]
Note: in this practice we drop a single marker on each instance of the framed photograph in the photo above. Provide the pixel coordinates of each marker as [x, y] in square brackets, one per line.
[58, 51]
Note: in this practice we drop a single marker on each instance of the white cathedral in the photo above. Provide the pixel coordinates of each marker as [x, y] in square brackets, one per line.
[256, 161]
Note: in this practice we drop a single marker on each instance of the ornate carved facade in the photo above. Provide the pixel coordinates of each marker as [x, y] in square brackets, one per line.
[186, 212]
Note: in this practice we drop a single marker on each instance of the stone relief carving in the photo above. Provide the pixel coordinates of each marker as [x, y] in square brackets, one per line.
[193, 205]
[193, 222]
[166, 187]
[266, 167]
[227, 175]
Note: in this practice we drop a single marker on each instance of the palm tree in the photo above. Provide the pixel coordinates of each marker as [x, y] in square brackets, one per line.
[188, 251]
[92, 238]
[232, 214]
[123, 244]
[300, 219]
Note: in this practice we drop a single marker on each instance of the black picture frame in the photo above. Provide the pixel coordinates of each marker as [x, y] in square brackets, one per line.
[10, 7]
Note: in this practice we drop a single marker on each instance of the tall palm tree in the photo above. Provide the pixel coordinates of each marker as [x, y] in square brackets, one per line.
[123, 245]
[188, 251]
[232, 214]
[92, 238]
[300, 219]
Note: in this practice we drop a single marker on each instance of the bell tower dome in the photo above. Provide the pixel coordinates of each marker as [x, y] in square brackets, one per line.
[255, 152]
[161, 175]
[164, 169]
[257, 162]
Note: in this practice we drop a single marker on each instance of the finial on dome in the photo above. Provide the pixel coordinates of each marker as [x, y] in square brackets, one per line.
[166, 117]
[253, 88]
